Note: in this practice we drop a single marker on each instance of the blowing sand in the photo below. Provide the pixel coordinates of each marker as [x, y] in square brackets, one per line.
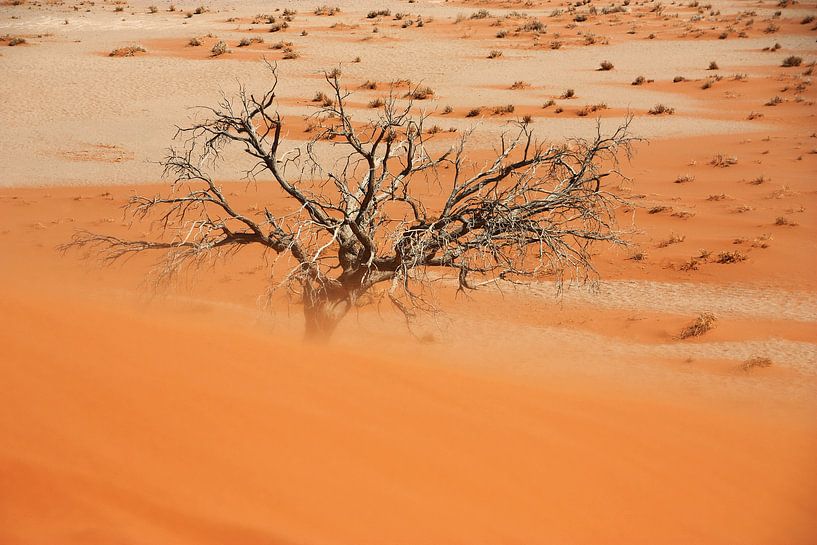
[193, 413]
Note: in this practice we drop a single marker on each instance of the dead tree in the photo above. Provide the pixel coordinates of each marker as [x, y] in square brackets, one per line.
[532, 209]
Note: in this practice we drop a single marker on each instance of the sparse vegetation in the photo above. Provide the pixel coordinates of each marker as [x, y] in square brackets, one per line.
[723, 161]
[756, 362]
[661, 109]
[726, 258]
[128, 51]
[703, 323]
[494, 54]
[605, 66]
[792, 61]
[220, 48]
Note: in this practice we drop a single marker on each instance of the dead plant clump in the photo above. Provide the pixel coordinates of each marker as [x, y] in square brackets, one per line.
[684, 178]
[792, 61]
[421, 93]
[726, 258]
[723, 161]
[660, 109]
[219, 48]
[128, 51]
[703, 323]
[674, 238]
[756, 362]
[520, 85]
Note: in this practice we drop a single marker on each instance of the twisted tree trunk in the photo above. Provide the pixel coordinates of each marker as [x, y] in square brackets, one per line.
[323, 313]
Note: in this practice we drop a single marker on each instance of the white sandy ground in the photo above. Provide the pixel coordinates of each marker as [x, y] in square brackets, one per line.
[62, 97]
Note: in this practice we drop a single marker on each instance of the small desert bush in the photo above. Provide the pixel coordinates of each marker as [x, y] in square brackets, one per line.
[548, 104]
[703, 323]
[448, 109]
[726, 258]
[219, 48]
[640, 80]
[678, 79]
[684, 178]
[792, 61]
[774, 101]
[326, 10]
[660, 109]
[756, 362]
[421, 93]
[569, 93]
[723, 161]
[713, 65]
[194, 42]
[473, 112]
[605, 66]
[153, 9]
[674, 238]
[322, 97]
[494, 54]
[501, 110]
[128, 51]
[519, 84]
[376, 103]
[17, 41]
[378, 13]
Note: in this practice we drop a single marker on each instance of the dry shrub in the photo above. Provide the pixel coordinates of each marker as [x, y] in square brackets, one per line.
[605, 66]
[792, 61]
[756, 362]
[494, 54]
[660, 109]
[501, 110]
[703, 323]
[726, 258]
[219, 48]
[128, 51]
[723, 161]
[421, 93]
[674, 238]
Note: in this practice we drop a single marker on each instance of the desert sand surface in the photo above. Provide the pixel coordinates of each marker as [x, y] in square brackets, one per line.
[193, 412]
